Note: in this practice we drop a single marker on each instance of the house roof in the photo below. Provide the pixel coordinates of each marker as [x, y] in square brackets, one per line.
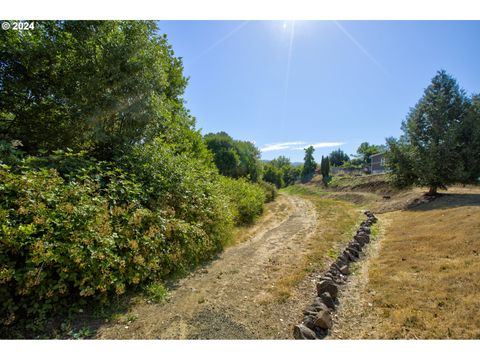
[377, 154]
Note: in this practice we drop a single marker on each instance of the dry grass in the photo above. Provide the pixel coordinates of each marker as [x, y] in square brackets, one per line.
[425, 283]
[336, 221]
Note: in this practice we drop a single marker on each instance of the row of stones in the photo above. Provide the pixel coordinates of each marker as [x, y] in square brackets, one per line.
[318, 316]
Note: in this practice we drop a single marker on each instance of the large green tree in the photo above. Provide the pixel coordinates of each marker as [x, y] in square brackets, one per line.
[469, 141]
[96, 85]
[309, 164]
[281, 172]
[234, 158]
[430, 152]
[338, 157]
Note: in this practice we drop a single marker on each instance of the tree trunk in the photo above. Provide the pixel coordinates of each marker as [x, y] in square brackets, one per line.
[432, 191]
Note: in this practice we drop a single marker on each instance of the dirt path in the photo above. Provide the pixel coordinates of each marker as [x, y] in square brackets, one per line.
[230, 298]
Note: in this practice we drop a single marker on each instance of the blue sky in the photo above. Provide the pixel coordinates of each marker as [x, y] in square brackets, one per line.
[285, 85]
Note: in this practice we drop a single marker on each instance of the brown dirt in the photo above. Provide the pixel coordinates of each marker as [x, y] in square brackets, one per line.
[231, 298]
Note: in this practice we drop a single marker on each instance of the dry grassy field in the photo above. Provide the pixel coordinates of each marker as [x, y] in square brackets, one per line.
[423, 279]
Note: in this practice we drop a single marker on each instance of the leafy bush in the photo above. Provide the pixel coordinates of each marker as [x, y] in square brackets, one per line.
[246, 199]
[97, 229]
[269, 189]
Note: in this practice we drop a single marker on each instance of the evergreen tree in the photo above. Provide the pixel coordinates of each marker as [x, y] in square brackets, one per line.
[430, 151]
[309, 164]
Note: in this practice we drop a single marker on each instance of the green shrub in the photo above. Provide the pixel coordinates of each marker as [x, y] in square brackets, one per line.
[156, 292]
[96, 229]
[269, 189]
[246, 199]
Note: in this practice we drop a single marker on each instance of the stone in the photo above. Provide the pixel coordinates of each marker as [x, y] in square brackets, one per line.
[343, 258]
[340, 262]
[309, 321]
[362, 238]
[328, 300]
[356, 245]
[353, 251]
[366, 230]
[319, 305]
[351, 256]
[344, 270]
[327, 286]
[301, 332]
[323, 320]
[310, 310]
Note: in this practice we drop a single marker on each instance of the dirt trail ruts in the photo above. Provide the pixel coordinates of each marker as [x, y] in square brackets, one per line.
[230, 298]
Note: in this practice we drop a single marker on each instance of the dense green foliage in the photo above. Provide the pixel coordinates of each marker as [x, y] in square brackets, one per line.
[100, 85]
[234, 158]
[104, 182]
[309, 165]
[246, 199]
[325, 170]
[85, 228]
[281, 172]
[338, 157]
[440, 143]
[269, 189]
[364, 151]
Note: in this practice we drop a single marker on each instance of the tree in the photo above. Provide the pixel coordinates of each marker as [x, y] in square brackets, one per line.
[325, 170]
[95, 85]
[225, 155]
[430, 151]
[234, 158]
[281, 172]
[250, 165]
[273, 175]
[469, 140]
[365, 150]
[338, 157]
[309, 164]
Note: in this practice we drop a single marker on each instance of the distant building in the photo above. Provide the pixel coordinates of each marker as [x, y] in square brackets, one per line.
[377, 163]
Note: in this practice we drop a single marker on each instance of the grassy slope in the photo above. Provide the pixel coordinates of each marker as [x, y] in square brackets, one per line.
[424, 282]
[426, 279]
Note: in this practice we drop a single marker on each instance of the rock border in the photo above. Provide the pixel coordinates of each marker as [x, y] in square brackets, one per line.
[317, 319]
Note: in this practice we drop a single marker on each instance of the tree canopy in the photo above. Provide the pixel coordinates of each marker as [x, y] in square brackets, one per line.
[309, 165]
[439, 145]
[96, 85]
[234, 158]
[338, 157]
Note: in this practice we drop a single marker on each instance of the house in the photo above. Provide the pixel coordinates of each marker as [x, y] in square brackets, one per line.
[377, 163]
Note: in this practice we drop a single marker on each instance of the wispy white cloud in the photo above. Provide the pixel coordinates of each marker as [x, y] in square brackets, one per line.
[298, 145]
[281, 146]
[320, 145]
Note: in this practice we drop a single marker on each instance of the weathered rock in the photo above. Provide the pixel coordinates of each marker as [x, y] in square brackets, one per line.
[301, 332]
[351, 256]
[328, 300]
[327, 286]
[343, 258]
[353, 251]
[309, 321]
[366, 230]
[319, 305]
[310, 310]
[340, 263]
[323, 320]
[355, 245]
[362, 238]
[344, 270]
